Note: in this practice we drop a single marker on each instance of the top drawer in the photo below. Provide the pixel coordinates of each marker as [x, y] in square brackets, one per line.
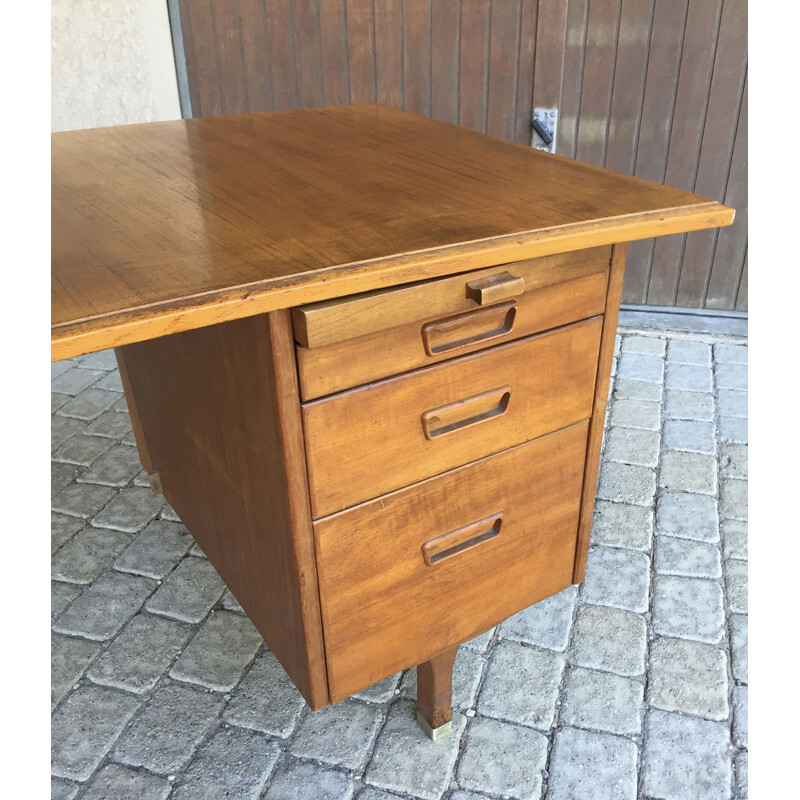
[351, 341]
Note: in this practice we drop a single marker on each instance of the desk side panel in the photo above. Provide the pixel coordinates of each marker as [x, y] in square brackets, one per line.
[220, 413]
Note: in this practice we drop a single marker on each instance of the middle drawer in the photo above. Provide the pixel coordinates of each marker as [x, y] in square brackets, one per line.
[371, 440]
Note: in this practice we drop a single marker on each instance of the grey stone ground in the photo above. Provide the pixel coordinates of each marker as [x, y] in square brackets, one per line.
[633, 686]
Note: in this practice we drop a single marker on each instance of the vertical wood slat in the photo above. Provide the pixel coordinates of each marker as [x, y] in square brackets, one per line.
[646, 87]
[475, 22]
[417, 56]
[669, 18]
[741, 296]
[715, 152]
[445, 75]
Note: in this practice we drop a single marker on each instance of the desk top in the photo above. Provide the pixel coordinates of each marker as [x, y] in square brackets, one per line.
[168, 226]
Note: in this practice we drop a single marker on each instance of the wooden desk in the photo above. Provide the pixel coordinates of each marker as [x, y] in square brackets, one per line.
[366, 356]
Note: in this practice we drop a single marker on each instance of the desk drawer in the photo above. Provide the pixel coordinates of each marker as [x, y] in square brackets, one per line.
[372, 440]
[352, 341]
[432, 565]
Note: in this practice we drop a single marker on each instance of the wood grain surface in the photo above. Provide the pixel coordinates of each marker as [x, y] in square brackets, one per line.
[169, 226]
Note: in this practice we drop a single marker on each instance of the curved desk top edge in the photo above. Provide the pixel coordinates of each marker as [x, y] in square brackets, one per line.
[141, 323]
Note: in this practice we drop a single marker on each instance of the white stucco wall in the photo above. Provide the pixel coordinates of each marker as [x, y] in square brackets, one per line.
[112, 63]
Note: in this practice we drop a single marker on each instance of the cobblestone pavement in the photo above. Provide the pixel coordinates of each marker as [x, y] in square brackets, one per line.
[632, 686]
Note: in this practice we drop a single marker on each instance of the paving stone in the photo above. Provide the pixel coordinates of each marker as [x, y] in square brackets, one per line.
[619, 578]
[467, 672]
[623, 483]
[688, 608]
[636, 414]
[740, 770]
[103, 359]
[740, 716]
[739, 646]
[74, 380]
[82, 450]
[57, 400]
[685, 351]
[633, 446]
[620, 525]
[637, 390]
[190, 592]
[111, 425]
[689, 435]
[116, 467]
[341, 735]
[197, 551]
[733, 499]
[62, 429]
[156, 550]
[299, 781]
[480, 644]
[220, 651]
[688, 472]
[370, 793]
[649, 345]
[675, 556]
[84, 727]
[731, 376]
[609, 639]
[89, 404]
[732, 403]
[690, 677]
[266, 700]
[639, 367]
[230, 603]
[381, 692]
[688, 516]
[121, 405]
[503, 759]
[114, 782]
[234, 764]
[521, 685]
[63, 790]
[731, 353]
[61, 476]
[164, 737]
[685, 758]
[62, 529]
[141, 653]
[586, 766]
[102, 610]
[61, 595]
[130, 510]
[69, 659]
[168, 513]
[617, 344]
[733, 461]
[732, 429]
[602, 701]
[87, 554]
[545, 624]
[736, 586]
[82, 499]
[60, 367]
[141, 479]
[680, 404]
[689, 377]
[111, 381]
[406, 760]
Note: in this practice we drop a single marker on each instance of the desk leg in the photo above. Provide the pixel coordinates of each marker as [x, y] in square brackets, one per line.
[434, 694]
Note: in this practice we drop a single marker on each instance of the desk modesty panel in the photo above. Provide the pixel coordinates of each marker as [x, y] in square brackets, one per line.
[366, 356]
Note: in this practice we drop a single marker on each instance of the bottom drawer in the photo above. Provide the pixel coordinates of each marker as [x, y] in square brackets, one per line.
[421, 569]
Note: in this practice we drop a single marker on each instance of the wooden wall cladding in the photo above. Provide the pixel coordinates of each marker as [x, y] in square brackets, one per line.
[653, 88]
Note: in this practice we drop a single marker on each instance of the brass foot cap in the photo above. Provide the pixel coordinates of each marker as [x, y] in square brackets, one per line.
[433, 733]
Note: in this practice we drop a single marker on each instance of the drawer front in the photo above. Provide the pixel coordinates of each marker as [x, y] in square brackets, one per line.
[369, 441]
[353, 341]
[433, 565]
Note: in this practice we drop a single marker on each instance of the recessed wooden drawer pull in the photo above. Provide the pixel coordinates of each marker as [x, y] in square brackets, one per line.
[494, 288]
[466, 329]
[449, 544]
[468, 411]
